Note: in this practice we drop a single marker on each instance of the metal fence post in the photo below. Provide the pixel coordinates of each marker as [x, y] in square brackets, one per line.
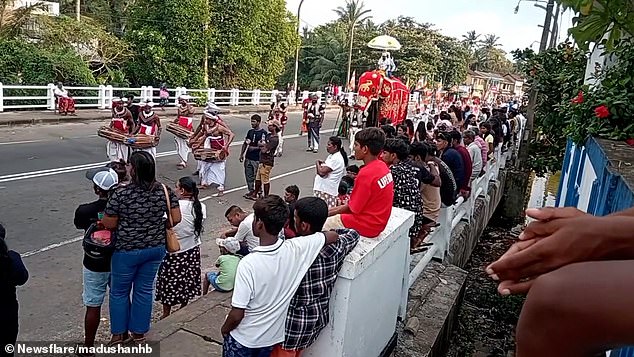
[1, 97]
[50, 93]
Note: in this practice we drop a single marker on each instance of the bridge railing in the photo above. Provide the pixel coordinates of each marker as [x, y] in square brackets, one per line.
[24, 97]
[462, 210]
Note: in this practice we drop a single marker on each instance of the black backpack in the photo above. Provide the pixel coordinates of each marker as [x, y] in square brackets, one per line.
[93, 247]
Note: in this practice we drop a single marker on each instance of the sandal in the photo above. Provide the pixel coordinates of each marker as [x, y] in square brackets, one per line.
[122, 339]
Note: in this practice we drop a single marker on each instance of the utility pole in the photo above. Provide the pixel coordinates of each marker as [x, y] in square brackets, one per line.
[299, 9]
[554, 36]
[532, 102]
[206, 37]
[354, 24]
[78, 10]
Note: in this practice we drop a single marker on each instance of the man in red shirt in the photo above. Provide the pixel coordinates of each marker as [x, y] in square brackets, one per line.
[370, 204]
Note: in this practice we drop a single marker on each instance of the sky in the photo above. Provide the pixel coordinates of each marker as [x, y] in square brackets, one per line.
[451, 17]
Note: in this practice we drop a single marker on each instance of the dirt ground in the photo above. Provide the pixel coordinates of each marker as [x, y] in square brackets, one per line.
[486, 323]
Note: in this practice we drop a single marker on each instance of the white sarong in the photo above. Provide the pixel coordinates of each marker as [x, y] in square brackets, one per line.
[182, 149]
[280, 145]
[151, 151]
[213, 173]
[116, 151]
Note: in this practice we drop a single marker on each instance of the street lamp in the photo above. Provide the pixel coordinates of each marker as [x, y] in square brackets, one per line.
[299, 8]
[536, 4]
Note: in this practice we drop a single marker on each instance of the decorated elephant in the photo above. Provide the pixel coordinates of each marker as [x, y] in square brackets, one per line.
[382, 97]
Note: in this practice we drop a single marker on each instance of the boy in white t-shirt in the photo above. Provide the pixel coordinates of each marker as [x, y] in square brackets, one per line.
[266, 282]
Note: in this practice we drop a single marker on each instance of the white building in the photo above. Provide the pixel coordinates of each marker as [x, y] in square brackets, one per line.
[48, 7]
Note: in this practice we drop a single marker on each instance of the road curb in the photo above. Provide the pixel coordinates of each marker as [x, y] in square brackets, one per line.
[106, 115]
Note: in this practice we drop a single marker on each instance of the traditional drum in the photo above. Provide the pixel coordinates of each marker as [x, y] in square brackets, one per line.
[111, 134]
[141, 141]
[179, 130]
[209, 155]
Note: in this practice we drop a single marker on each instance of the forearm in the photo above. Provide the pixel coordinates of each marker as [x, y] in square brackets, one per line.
[616, 238]
[626, 213]
[232, 321]
[339, 210]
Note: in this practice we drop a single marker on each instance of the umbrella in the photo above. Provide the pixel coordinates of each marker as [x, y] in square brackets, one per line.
[384, 43]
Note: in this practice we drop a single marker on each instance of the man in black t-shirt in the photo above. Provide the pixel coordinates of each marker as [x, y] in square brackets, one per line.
[96, 272]
[250, 153]
[267, 159]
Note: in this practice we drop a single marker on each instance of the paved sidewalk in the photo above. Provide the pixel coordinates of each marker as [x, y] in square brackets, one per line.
[48, 116]
[194, 330]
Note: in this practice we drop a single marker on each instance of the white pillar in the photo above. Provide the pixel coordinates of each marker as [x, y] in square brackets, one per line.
[319, 95]
[143, 94]
[108, 97]
[211, 95]
[150, 93]
[292, 99]
[1, 97]
[50, 93]
[101, 100]
[236, 97]
[254, 97]
[304, 95]
[274, 95]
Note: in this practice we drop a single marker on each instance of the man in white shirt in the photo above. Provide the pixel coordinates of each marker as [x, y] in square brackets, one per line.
[242, 230]
[475, 152]
[266, 282]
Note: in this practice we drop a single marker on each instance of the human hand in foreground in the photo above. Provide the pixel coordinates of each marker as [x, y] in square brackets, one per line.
[559, 237]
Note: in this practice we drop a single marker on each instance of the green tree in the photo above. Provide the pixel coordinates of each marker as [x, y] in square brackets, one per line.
[600, 17]
[19, 22]
[453, 67]
[168, 37]
[100, 50]
[252, 42]
[352, 15]
[114, 15]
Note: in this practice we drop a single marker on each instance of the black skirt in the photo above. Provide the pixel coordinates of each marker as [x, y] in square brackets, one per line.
[178, 279]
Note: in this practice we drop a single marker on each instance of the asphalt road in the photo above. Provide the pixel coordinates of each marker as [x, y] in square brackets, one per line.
[42, 182]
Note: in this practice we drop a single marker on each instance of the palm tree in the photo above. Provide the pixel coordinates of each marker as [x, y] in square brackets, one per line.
[352, 14]
[14, 21]
[470, 40]
[491, 41]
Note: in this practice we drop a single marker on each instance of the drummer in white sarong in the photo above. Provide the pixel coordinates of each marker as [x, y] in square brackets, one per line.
[122, 122]
[149, 124]
[216, 137]
[185, 114]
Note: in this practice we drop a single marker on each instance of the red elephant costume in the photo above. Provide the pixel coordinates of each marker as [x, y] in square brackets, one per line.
[393, 95]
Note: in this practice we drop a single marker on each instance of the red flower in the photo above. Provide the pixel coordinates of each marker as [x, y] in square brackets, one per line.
[578, 99]
[602, 112]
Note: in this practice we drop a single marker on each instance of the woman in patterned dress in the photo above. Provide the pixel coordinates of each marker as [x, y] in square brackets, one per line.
[179, 275]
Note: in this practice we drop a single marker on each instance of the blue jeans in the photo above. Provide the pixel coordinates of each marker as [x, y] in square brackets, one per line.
[95, 286]
[133, 271]
[232, 348]
[212, 276]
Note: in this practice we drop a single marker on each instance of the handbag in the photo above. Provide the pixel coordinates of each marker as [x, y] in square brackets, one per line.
[171, 239]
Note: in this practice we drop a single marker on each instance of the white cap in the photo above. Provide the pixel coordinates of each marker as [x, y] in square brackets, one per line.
[231, 245]
[106, 179]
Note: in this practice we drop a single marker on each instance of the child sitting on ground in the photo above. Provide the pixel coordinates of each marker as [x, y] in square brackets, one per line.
[227, 263]
[344, 192]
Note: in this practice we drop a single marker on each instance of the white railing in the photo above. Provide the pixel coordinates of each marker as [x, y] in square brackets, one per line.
[462, 210]
[43, 97]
